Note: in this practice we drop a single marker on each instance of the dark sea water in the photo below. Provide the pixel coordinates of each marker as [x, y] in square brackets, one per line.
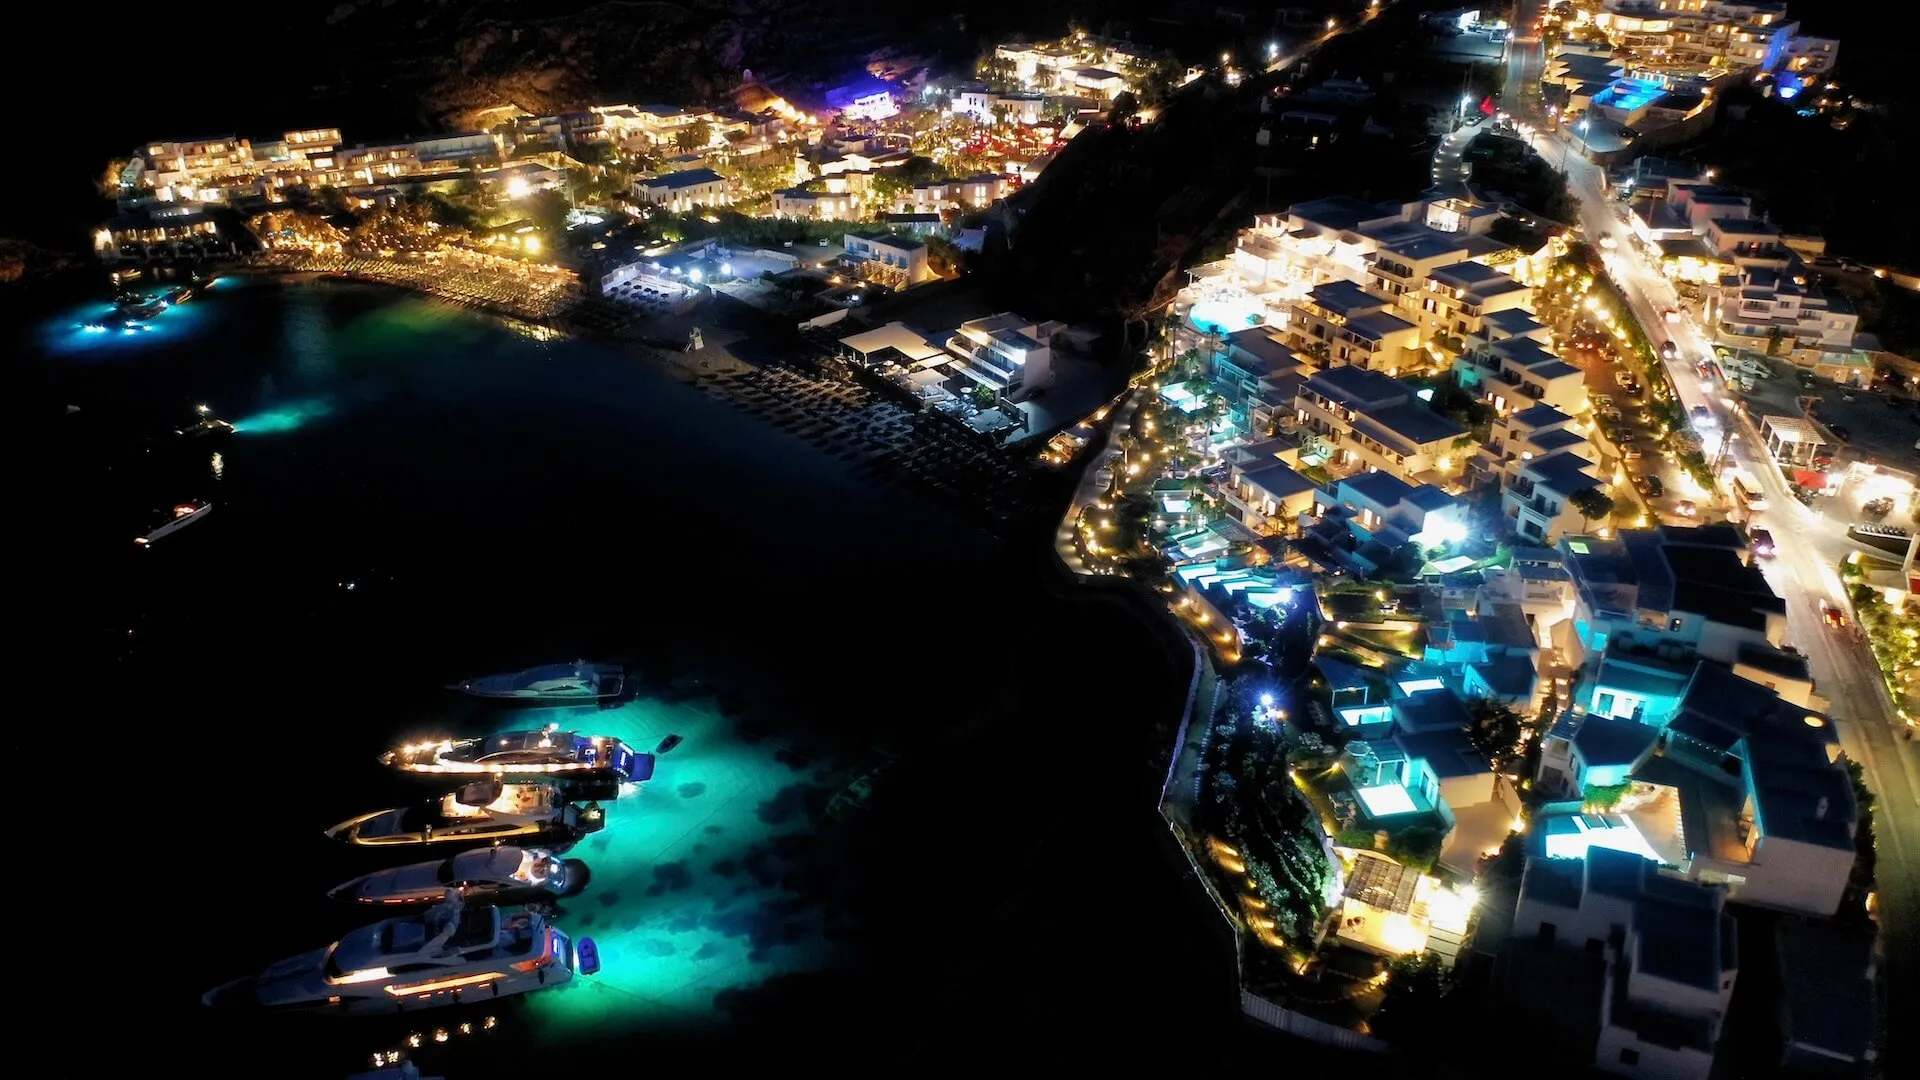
[196, 714]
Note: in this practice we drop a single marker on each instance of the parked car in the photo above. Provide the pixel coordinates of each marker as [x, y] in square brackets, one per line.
[1671, 315]
[1685, 508]
[1630, 452]
[1653, 486]
[1624, 378]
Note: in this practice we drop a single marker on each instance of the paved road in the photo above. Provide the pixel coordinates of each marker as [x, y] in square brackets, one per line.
[1526, 60]
[1810, 548]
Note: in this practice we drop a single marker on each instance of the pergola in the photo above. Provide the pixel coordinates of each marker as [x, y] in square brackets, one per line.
[1794, 440]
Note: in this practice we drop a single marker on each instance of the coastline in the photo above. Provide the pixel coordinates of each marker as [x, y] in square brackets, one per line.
[922, 451]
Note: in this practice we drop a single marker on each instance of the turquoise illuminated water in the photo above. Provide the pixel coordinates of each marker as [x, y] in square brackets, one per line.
[417, 494]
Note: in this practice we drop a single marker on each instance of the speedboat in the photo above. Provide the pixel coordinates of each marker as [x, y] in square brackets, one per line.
[204, 427]
[483, 876]
[172, 521]
[450, 954]
[486, 811]
[546, 752]
[581, 682]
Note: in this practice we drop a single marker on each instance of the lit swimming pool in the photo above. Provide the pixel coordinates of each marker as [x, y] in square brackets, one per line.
[1225, 316]
[1630, 94]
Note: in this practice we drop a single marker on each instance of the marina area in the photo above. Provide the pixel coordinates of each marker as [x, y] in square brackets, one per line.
[766, 876]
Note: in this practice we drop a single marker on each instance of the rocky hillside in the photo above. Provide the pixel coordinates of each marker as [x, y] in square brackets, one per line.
[456, 57]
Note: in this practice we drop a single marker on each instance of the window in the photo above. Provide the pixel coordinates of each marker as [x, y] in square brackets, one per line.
[1629, 1057]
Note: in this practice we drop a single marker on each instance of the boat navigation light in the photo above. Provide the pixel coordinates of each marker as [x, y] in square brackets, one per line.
[553, 726]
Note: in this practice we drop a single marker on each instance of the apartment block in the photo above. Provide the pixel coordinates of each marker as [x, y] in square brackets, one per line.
[897, 260]
[1380, 509]
[816, 205]
[1735, 35]
[1669, 954]
[1364, 420]
[1009, 354]
[1267, 495]
[1671, 592]
[682, 191]
[1341, 323]
[1515, 374]
[1735, 784]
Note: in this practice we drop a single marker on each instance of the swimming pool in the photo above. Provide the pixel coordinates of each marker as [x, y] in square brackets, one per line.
[1225, 315]
[1628, 95]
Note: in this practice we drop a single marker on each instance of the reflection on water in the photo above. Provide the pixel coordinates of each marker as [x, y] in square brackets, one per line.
[290, 416]
[690, 894]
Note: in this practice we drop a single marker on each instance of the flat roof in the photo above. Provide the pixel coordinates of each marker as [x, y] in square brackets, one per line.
[686, 178]
[893, 336]
[1826, 990]
[1343, 297]
[1416, 423]
[1278, 480]
[1794, 429]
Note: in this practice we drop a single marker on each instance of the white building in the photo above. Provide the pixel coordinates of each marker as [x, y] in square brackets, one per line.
[682, 191]
[1338, 322]
[1008, 354]
[816, 205]
[1720, 34]
[1670, 951]
[1380, 506]
[896, 260]
[1543, 462]
[1364, 420]
[1740, 786]
[1674, 593]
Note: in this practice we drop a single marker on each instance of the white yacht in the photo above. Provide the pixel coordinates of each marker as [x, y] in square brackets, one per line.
[449, 954]
[547, 752]
[172, 521]
[485, 811]
[486, 875]
[581, 682]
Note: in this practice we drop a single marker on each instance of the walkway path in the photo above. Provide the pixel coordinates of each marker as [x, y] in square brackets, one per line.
[1088, 489]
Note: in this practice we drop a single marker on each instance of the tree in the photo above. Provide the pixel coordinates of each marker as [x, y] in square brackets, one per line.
[1125, 107]
[547, 209]
[1410, 1012]
[1496, 730]
[1591, 503]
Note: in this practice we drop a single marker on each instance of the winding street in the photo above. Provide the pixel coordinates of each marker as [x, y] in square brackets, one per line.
[1810, 547]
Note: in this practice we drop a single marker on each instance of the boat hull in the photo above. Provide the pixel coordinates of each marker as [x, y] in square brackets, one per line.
[554, 834]
[242, 995]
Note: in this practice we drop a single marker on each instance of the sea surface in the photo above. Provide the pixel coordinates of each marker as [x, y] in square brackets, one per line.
[416, 494]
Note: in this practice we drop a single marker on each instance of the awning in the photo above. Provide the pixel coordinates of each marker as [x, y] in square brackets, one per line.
[1808, 478]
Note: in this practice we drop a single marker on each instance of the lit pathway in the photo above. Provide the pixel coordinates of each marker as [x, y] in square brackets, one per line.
[1088, 490]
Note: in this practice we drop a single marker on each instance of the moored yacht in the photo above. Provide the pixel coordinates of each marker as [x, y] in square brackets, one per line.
[172, 521]
[450, 954]
[486, 875]
[545, 752]
[486, 811]
[581, 682]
